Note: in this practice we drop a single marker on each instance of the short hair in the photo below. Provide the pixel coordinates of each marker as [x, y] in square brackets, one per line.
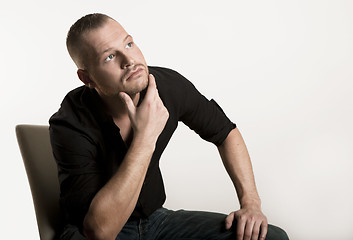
[74, 40]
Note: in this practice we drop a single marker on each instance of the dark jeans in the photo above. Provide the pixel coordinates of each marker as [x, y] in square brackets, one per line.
[166, 224]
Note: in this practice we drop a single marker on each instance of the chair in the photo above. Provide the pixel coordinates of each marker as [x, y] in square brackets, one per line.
[34, 143]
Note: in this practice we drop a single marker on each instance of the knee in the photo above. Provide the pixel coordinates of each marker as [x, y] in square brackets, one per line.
[276, 233]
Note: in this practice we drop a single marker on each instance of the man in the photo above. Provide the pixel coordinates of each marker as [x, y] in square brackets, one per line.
[108, 137]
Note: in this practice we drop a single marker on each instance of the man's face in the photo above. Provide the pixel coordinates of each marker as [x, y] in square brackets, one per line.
[114, 63]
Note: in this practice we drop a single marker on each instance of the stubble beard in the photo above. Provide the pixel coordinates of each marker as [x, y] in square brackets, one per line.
[140, 86]
[137, 89]
[131, 88]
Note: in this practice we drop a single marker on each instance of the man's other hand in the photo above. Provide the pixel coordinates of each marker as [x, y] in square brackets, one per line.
[251, 224]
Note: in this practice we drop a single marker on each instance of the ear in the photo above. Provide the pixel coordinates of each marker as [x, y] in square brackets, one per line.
[85, 78]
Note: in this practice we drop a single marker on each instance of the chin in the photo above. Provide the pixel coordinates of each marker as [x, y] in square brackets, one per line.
[138, 88]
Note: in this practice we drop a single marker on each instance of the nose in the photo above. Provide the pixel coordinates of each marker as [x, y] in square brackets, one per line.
[127, 61]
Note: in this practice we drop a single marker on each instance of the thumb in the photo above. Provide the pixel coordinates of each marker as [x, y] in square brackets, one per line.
[128, 102]
[229, 220]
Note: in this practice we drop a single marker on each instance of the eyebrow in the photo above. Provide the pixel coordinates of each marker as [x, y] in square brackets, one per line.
[109, 49]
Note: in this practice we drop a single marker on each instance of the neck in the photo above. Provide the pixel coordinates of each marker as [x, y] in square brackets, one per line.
[115, 107]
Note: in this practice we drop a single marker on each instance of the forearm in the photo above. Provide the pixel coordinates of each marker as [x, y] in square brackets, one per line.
[237, 162]
[114, 203]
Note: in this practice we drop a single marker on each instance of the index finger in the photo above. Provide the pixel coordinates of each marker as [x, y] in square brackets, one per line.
[151, 86]
[241, 223]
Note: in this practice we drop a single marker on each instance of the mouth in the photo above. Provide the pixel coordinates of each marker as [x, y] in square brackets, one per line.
[134, 73]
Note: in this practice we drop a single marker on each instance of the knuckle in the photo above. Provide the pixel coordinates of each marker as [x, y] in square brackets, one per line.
[247, 235]
[147, 101]
[241, 217]
[256, 232]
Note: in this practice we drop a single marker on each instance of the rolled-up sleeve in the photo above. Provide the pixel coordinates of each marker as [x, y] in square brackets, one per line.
[205, 116]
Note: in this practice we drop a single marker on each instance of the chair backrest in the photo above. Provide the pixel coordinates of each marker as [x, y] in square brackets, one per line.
[34, 143]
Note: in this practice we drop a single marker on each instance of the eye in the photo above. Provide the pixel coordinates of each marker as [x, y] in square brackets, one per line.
[129, 45]
[110, 57]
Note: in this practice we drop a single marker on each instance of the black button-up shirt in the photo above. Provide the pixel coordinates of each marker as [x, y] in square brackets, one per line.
[88, 147]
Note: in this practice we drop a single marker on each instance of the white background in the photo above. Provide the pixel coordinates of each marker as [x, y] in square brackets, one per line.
[282, 70]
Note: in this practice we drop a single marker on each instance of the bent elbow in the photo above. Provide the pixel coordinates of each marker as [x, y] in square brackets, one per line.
[92, 230]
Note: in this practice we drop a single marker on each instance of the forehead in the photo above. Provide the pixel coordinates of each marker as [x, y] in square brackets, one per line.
[104, 37]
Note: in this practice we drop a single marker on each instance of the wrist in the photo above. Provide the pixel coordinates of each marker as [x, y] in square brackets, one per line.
[142, 143]
[253, 202]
